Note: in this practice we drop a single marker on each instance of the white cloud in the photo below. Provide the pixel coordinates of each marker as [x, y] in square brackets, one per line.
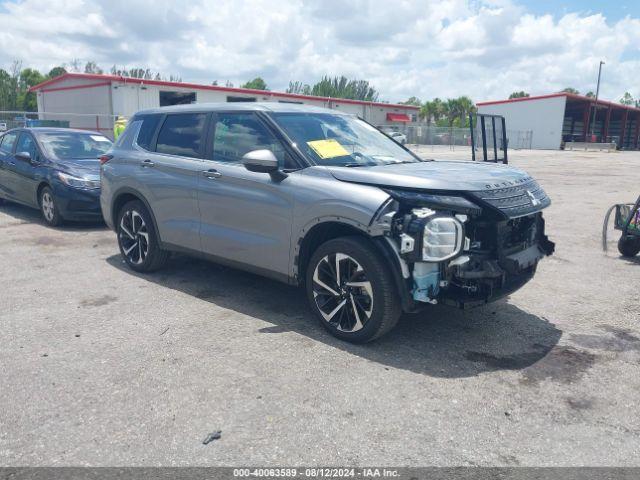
[484, 49]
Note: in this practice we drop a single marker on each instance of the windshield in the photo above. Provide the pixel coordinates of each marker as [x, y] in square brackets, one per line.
[68, 145]
[341, 140]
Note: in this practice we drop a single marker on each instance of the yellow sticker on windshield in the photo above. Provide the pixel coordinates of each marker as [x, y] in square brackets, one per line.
[328, 148]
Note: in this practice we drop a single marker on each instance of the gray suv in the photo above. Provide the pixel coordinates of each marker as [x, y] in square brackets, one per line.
[318, 198]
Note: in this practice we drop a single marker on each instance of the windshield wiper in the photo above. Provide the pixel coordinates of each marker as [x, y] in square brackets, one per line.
[355, 165]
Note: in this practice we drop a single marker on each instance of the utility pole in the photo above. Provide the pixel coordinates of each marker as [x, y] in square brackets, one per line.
[595, 106]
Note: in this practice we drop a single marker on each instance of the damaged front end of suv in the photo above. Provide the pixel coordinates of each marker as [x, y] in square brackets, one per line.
[465, 248]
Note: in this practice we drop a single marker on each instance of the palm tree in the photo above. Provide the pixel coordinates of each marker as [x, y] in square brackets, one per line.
[465, 108]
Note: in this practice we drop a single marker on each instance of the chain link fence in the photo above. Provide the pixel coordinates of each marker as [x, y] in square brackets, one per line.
[83, 121]
[426, 134]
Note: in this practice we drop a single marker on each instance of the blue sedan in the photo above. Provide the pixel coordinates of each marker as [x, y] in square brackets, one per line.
[56, 170]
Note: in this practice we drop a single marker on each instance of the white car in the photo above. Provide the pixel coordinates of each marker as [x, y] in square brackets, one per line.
[399, 137]
[3, 127]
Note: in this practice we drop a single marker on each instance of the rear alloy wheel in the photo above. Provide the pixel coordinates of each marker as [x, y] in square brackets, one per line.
[350, 289]
[136, 239]
[49, 208]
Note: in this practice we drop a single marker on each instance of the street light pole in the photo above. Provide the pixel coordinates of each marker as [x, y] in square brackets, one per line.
[595, 106]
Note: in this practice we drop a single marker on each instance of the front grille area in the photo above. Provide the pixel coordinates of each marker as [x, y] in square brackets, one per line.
[516, 201]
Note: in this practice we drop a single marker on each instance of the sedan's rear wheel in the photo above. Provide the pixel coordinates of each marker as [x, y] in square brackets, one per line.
[137, 239]
[350, 289]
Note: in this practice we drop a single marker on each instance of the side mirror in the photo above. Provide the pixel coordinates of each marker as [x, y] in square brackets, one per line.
[261, 161]
[24, 156]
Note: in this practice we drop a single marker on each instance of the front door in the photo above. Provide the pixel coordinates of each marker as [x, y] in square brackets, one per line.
[7, 161]
[245, 216]
[25, 181]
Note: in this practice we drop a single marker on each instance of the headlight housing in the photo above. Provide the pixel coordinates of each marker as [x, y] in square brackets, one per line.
[442, 238]
[78, 182]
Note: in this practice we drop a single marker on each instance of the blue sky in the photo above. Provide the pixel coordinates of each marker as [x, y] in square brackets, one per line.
[485, 49]
[613, 10]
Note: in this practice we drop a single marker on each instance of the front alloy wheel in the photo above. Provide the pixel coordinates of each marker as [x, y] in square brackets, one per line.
[342, 292]
[351, 289]
[49, 208]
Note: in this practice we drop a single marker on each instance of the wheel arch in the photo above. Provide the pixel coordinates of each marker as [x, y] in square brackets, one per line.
[318, 233]
[41, 186]
[125, 195]
[323, 231]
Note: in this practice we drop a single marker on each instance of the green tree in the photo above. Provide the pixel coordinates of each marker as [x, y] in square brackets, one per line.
[92, 67]
[299, 88]
[570, 90]
[56, 72]
[520, 94]
[412, 101]
[432, 111]
[466, 107]
[27, 101]
[590, 94]
[256, 84]
[5, 90]
[341, 87]
[627, 99]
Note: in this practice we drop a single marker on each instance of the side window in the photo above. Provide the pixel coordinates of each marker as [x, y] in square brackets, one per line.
[8, 140]
[181, 134]
[239, 133]
[26, 143]
[147, 130]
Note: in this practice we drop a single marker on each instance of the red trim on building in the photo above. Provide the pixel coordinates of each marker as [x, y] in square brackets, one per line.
[398, 117]
[264, 93]
[570, 96]
[77, 87]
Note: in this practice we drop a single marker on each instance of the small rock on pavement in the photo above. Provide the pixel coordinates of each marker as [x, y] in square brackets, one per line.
[212, 436]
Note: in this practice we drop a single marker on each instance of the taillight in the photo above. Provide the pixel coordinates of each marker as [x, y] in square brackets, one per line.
[105, 158]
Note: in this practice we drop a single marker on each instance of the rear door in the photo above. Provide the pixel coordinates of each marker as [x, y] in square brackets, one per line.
[7, 160]
[245, 216]
[25, 173]
[169, 177]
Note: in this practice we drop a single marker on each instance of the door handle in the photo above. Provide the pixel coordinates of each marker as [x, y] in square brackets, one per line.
[13, 164]
[147, 163]
[211, 173]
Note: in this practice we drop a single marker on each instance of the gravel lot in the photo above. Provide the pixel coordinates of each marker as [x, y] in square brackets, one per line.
[103, 367]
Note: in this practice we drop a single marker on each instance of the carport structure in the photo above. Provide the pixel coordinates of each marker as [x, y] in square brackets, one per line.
[614, 122]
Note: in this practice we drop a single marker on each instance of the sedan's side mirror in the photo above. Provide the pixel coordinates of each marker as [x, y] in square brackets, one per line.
[261, 161]
[24, 156]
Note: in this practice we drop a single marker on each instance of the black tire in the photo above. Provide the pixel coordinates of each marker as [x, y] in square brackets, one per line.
[629, 246]
[363, 265]
[49, 208]
[137, 239]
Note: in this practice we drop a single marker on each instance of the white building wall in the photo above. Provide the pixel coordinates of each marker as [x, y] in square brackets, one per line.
[544, 117]
[84, 108]
[122, 98]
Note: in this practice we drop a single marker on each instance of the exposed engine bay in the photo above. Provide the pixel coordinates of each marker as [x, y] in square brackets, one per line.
[470, 248]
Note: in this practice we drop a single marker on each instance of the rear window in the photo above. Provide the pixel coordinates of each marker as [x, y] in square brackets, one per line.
[147, 130]
[181, 134]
